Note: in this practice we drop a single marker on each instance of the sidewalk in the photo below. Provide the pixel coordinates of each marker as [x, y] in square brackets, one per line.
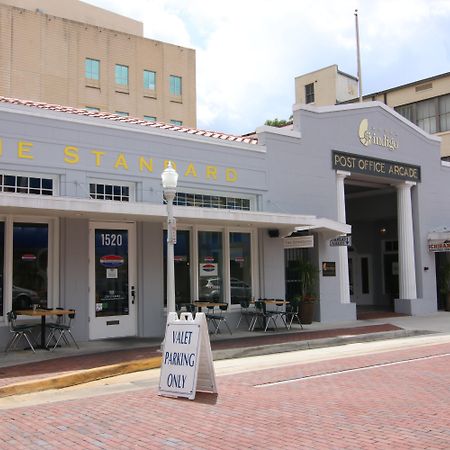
[23, 372]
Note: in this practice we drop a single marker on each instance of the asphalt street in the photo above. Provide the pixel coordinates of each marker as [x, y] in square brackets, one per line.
[373, 395]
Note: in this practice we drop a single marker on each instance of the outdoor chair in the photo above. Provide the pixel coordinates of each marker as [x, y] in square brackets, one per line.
[247, 312]
[261, 313]
[59, 331]
[217, 319]
[292, 312]
[18, 332]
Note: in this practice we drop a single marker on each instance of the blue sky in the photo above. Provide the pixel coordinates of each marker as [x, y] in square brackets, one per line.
[249, 51]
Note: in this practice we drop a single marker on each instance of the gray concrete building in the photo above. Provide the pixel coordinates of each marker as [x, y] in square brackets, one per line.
[82, 217]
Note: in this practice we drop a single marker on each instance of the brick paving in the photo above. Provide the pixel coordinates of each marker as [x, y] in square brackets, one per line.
[398, 406]
[59, 366]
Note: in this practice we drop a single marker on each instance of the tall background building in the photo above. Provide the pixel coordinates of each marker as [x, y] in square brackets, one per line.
[75, 54]
[424, 102]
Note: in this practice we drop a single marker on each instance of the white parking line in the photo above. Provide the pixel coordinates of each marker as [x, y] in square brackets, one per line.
[341, 372]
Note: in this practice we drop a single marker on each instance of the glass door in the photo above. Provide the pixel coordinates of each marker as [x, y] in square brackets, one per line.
[113, 299]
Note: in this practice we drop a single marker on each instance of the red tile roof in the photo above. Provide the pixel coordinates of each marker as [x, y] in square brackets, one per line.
[126, 119]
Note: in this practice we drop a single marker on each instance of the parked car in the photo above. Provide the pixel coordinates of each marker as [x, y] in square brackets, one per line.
[210, 289]
[22, 298]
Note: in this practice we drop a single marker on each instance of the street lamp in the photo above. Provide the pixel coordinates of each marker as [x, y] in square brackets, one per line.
[169, 178]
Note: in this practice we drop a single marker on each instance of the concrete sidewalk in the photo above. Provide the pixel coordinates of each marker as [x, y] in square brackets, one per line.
[24, 372]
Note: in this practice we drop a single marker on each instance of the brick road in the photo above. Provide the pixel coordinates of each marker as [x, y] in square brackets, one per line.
[348, 403]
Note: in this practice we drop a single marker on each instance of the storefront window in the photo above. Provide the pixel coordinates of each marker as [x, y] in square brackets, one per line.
[240, 267]
[2, 246]
[30, 264]
[210, 272]
[182, 268]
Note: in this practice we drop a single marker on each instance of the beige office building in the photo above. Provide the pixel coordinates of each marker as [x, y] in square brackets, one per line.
[425, 102]
[71, 53]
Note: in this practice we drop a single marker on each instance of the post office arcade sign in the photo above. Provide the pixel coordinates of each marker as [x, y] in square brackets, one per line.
[375, 167]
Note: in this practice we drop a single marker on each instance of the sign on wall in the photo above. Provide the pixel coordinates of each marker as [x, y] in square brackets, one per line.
[373, 166]
[341, 241]
[328, 269]
[299, 242]
[187, 363]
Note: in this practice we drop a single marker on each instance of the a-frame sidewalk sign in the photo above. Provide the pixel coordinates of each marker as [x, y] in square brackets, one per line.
[187, 363]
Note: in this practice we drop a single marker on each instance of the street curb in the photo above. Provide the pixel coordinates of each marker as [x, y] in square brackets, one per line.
[98, 373]
[243, 352]
[80, 377]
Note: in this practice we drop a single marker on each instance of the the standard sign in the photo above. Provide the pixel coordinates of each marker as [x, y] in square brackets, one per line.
[187, 364]
[341, 241]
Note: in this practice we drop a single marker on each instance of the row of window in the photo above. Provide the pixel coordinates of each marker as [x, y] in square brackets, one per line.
[178, 123]
[121, 75]
[117, 192]
[432, 115]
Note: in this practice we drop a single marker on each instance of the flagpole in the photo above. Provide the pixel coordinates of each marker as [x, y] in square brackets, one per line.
[358, 56]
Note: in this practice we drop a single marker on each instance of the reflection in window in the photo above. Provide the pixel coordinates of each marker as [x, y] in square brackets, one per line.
[210, 257]
[30, 265]
[2, 263]
[240, 267]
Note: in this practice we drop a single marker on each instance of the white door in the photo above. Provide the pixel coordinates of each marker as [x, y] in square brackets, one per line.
[112, 280]
[360, 277]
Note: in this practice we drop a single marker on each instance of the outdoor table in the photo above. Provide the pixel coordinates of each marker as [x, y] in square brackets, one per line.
[201, 305]
[43, 313]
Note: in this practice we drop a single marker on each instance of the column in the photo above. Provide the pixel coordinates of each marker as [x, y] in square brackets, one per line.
[344, 286]
[406, 258]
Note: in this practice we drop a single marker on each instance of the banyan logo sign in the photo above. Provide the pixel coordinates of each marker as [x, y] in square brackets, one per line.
[369, 136]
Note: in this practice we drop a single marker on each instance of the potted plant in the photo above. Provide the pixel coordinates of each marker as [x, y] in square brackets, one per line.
[308, 278]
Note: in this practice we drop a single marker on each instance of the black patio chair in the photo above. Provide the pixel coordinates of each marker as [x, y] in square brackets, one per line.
[18, 332]
[293, 312]
[261, 313]
[247, 312]
[215, 319]
[60, 330]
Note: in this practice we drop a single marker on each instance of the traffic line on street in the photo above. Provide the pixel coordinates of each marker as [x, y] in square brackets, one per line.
[342, 372]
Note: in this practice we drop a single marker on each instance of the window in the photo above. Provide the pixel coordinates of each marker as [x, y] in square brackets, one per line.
[122, 113]
[175, 85]
[121, 75]
[26, 184]
[2, 263]
[149, 80]
[106, 191]
[432, 115]
[178, 123]
[92, 108]
[150, 118]
[92, 69]
[240, 267]
[211, 201]
[210, 259]
[30, 265]
[309, 93]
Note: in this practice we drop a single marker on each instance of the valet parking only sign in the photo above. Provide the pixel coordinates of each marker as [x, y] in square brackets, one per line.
[187, 364]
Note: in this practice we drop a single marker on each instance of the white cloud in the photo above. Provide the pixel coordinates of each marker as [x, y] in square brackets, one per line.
[249, 51]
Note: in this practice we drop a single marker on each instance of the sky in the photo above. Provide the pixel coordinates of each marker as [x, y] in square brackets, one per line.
[248, 52]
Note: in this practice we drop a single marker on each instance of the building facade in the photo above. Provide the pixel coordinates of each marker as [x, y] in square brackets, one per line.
[72, 53]
[82, 217]
[426, 103]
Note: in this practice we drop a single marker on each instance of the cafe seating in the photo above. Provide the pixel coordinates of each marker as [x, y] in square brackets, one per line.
[215, 319]
[266, 316]
[292, 312]
[18, 332]
[247, 312]
[59, 331]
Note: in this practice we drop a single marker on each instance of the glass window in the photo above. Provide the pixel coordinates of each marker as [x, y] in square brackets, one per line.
[149, 80]
[30, 265]
[178, 123]
[210, 273]
[444, 113]
[150, 118]
[26, 185]
[92, 108]
[182, 269]
[2, 263]
[309, 93]
[407, 111]
[121, 75]
[122, 113]
[92, 69]
[426, 115]
[105, 191]
[240, 267]
[211, 201]
[175, 85]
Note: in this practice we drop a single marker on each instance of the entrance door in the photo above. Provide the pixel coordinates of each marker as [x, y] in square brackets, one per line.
[112, 280]
[360, 277]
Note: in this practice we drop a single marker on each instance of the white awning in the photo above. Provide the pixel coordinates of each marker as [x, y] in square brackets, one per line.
[149, 212]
